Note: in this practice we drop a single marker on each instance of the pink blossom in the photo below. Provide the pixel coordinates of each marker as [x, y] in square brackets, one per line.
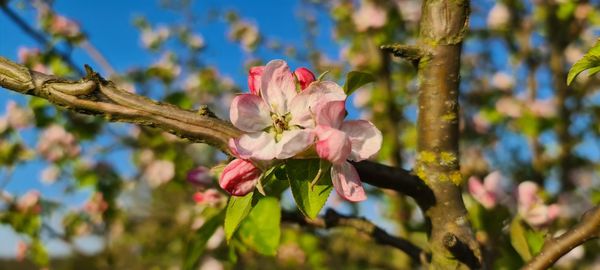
[210, 197]
[29, 202]
[50, 174]
[254, 80]
[159, 172]
[17, 116]
[509, 107]
[531, 206]
[279, 121]
[200, 177]
[488, 193]
[543, 108]
[56, 143]
[498, 17]
[369, 15]
[61, 25]
[305, 77]
[96, 206]
[339, 141]
[22, 248]
[503, 81]
[239, 177]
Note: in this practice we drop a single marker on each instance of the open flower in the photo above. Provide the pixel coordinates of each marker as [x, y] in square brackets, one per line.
[489, 192]
[279, 122]
[532, 207]
[339, 141]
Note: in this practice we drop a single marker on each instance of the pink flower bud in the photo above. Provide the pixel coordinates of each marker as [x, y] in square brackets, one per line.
[210, 196]
[304, 76]
[239, 177]
[200, 177]
[21, 251]
[254, 79]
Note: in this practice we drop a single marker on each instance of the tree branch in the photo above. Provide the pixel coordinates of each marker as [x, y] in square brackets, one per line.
[95, 96]
[555, 248]
[334, 219]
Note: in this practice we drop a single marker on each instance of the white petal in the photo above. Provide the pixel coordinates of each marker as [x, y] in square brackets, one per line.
[250, 113]
[304, 106]
[331, 114]
[347, 183]
[258, 145]
[365, 137]
[278, 86]
[293, 142]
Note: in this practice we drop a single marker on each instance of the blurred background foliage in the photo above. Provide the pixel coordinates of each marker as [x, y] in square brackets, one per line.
[126, 197]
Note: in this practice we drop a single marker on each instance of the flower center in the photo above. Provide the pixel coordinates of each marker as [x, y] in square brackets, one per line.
[280, 122]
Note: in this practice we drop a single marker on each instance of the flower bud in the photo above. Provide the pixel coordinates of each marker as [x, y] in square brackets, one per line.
[210, 196]
[254, 76]
[304, 76]
[199, 177]
[239, 177]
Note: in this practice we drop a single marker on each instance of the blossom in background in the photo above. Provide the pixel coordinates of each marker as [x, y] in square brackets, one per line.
[369, 15]
[96, 206]
[246, 33]
[239, 177]
[279, 121]
[531, 206]
[152, 38]
[56, 143]
[50, 174]
[509, 106]
[503, 81]
[29, 202]
[339, 141]
[22, 248]
[489, 192]
[196, 42]
[18, 117]
[31, 58]
[498, 17]
[159, 172]
[200, 177]
[545, 108]
[61, 25]
[209, 196]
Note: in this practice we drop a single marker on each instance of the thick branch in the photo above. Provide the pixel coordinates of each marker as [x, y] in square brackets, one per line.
[555, 248]
[442, 29]
[334, 219]
[96, 96]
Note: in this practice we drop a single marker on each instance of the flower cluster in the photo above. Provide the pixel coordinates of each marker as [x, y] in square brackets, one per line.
[56, 144]
[288, 113]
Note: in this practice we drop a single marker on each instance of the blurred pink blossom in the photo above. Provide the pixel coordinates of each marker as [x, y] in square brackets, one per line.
[509, 106]
[56, 143]
[489, 192]
[22, 248]
[50, 174]
[362, 97]
[531, 206]
[18, 117]
[96, 206]
[209, 197]
[369, 15]
[498, 17]
[543, 108]
[159, 172]
[152, 37]
[200, 176]
[480, 123]
[63, 26]
[29, 202]
[503, 81]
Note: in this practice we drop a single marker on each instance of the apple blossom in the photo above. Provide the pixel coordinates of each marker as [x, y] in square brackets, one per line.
[304, 76]
[50, 174]
[488, 193]
[200, 177]
[22, 248]
[159, 172]
[209, 196]
[56, 143]
[498, 17]
[29, 202]
[531, 206]
[339, 141]
[17, 116]
[239, 177]
[369, 15]
[279, 121]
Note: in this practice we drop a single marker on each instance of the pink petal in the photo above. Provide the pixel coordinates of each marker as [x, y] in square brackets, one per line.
[333, 144]
[365, 137]
[331, 114]
[527, 195]
[254, 79]
[303, 107]
[239, 177]
[293, 142]
[478, 191]
[304, 76]
[278, 86]
[347, 183]
[200, 177]
[259, 145]
[250, 113]
[492, 182]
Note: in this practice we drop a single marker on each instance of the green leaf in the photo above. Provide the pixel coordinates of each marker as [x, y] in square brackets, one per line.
[237, 209]
[590, 62]
[301, 172]
[518, 238]
[261, 230]
[196, 245]
[535, 240]
[356, 79]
